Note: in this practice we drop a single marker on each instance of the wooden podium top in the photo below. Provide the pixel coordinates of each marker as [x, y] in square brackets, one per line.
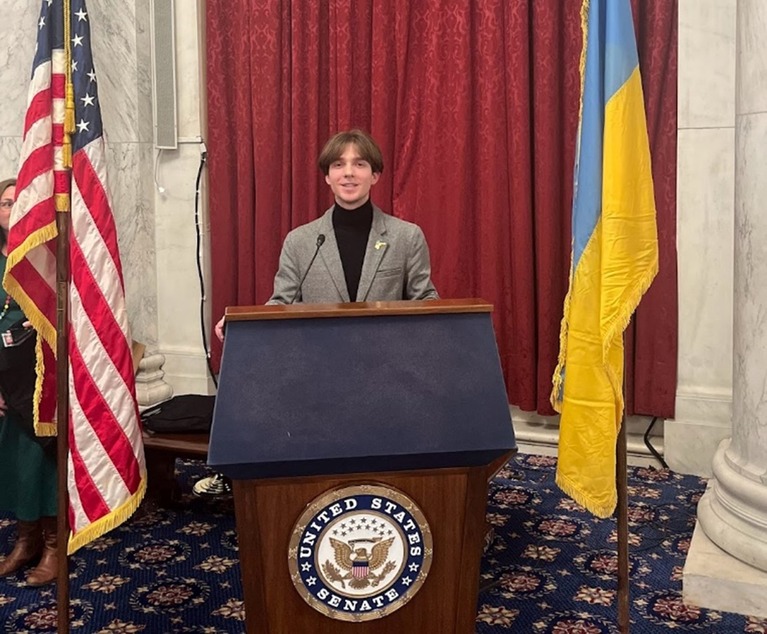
[357, 309]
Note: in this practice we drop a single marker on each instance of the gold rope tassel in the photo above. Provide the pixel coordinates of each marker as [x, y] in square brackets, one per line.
[69, 125]
[69, 105]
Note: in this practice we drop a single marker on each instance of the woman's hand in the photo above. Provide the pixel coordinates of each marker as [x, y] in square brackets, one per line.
[219, 329]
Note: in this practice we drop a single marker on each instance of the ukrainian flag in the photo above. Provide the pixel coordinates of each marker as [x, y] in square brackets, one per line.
[614, 254]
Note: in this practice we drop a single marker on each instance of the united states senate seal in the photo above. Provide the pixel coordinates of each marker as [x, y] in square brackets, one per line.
[358, 553]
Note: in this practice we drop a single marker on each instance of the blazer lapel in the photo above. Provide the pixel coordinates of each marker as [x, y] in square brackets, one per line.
[331, 257]
[374, 253]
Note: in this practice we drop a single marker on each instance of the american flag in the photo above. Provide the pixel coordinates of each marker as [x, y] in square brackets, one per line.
[106, 469]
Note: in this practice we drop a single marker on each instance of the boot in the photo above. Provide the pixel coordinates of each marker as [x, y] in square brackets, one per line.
[45, 572]
[29, 543]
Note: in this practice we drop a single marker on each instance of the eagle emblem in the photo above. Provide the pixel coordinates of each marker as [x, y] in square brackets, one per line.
[360, 552]
[359, 562]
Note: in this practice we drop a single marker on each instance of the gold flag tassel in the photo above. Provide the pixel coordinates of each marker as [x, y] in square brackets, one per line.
[69, 111]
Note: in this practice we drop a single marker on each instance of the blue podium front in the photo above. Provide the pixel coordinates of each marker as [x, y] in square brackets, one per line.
[350, 388]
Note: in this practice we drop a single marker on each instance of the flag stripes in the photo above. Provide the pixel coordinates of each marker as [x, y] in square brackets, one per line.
[106, 469]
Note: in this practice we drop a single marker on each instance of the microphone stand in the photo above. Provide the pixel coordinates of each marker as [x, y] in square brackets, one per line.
[320, 242]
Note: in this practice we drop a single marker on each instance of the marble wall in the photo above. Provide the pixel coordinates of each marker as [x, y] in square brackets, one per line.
[156, 229]
[749, 439]
[121, 51]
[179, 292]
[17, 31]
[705, 230]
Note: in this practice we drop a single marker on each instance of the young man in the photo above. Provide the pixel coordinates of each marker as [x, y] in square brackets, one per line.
[353, 253]
[366, 255]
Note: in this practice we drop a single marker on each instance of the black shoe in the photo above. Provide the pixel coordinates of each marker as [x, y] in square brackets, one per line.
[216, 485]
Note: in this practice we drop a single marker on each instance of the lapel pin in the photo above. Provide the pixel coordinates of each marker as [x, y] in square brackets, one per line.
[380, 245]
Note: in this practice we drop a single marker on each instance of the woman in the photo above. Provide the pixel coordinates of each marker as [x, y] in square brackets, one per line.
[27, 463]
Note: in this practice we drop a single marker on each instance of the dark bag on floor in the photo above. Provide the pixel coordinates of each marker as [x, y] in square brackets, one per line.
[183, 414]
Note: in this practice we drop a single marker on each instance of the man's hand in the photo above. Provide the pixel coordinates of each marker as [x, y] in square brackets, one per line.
[219, 329]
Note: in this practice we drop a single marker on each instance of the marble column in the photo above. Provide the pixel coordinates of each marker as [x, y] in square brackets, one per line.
[733, 512]
[727, 565]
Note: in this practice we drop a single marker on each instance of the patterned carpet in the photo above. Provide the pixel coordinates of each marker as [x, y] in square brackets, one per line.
[553, 564]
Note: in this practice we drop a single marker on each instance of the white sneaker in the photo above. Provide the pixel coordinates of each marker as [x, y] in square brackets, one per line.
[213, 486]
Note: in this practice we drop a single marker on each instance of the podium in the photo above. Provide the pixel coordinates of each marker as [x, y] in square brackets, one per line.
[360, 439]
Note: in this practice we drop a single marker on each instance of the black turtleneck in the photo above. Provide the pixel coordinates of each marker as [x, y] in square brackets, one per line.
[352, 227]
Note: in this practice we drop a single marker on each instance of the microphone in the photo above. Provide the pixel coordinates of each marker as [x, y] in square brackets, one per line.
[320, 242]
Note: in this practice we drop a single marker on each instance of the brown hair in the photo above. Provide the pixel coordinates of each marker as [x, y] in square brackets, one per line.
[361, 140]
[8, 182]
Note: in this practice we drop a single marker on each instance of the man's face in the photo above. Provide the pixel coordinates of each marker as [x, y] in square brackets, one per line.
[350, 178]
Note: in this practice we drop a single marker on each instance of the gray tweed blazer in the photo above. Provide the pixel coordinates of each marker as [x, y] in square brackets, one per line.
[396, 264]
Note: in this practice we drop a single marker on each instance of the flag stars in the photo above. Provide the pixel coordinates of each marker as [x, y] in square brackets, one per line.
[92, 75]
[88, 100]
[82, 126]
[77, 40]
[81, 16]
[41, 23]
[74, 66]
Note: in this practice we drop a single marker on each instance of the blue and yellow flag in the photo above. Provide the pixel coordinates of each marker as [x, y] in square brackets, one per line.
[614, 254]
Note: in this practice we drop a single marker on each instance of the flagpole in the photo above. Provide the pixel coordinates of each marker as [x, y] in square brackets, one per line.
[63, 209]
[621, 485]
[62, 416]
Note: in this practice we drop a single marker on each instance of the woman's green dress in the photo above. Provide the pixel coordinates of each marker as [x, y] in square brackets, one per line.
[27, 471]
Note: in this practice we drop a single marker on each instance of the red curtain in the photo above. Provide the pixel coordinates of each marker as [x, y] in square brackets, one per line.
[474, 104]
[651, 342]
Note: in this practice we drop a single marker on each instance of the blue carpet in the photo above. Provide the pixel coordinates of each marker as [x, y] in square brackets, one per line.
[554, 565]
[557, 564]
